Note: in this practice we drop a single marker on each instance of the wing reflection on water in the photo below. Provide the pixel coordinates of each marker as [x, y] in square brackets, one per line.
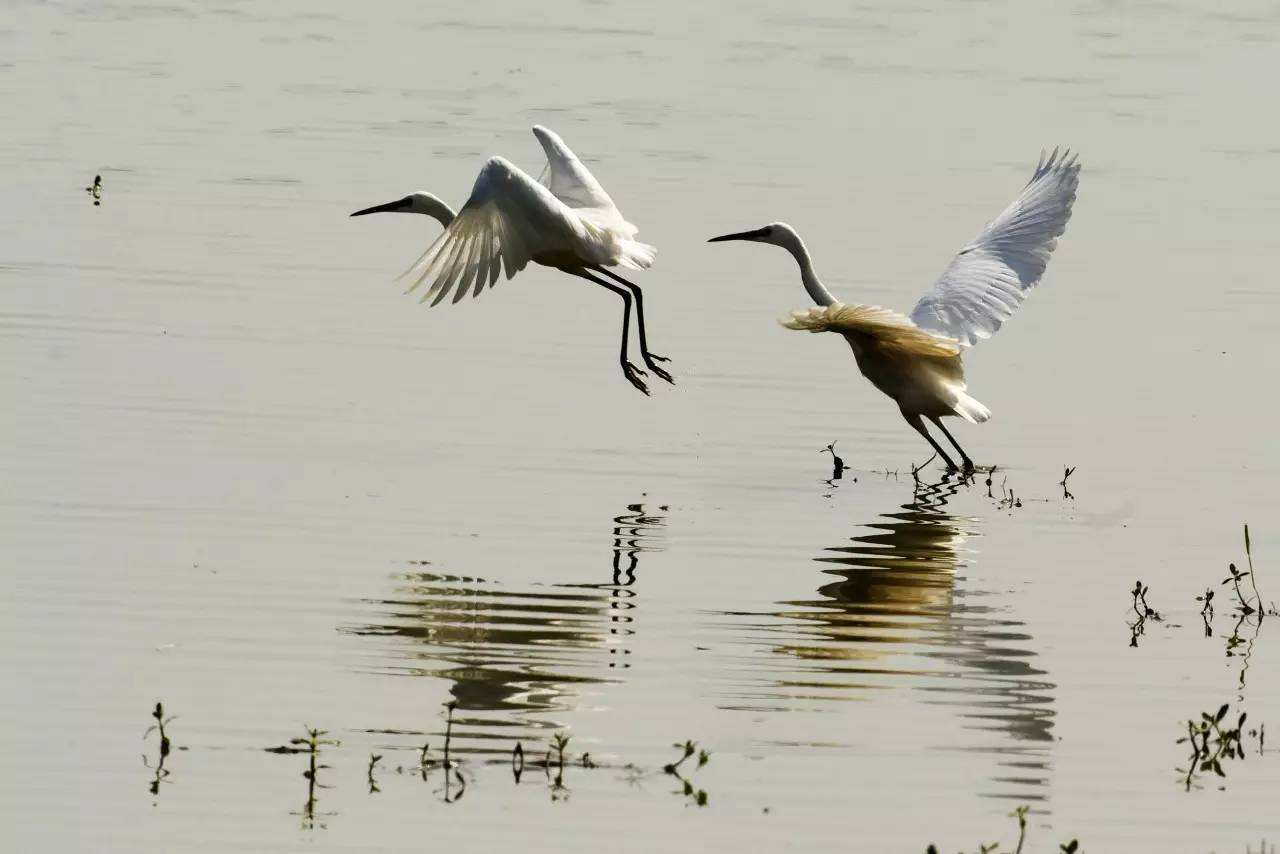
[893, 617]
[514, 656]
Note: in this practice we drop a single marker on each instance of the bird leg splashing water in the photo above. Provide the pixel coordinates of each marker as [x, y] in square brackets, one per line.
[916, 360]
[569, 223]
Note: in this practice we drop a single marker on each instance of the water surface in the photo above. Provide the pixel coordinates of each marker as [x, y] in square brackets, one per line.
[249, 478]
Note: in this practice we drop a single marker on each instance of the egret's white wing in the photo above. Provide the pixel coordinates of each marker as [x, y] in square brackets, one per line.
[509, 219]
[991, 276]
[572, 183]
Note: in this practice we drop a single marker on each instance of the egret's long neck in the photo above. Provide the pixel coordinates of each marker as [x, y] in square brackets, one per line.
[425, 203]
[793, 244]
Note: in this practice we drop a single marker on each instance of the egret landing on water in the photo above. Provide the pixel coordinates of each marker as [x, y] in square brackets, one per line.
[511, 219]
[916, 360]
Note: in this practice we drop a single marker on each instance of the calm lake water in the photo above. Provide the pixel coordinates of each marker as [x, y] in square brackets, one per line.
[247, 477]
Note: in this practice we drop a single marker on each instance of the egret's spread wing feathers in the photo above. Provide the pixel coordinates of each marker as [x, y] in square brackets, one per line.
[572, 183]
[989, 279]
[508, 220]
[889, 329]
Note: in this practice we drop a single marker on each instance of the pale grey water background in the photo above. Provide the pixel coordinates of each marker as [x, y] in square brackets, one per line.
[247, 477]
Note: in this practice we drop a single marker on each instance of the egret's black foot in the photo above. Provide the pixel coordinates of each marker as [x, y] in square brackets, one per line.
[649, 360]
[633, 375]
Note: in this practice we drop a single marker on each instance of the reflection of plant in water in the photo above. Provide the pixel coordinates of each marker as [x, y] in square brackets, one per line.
[517, 762]
[162, 773]
[1213, 742]
[1072, 847]
[697, 796]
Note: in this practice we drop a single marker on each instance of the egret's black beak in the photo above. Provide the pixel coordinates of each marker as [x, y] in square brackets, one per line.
[397, 205]
[741, 235]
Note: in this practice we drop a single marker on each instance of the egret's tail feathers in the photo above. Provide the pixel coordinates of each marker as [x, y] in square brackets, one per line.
[889, 328]
[635, 255]
[971, 410]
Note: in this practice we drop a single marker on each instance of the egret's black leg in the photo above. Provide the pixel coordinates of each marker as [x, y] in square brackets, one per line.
[914, 421]
[630, 371]
[649, 358]
[968, 463]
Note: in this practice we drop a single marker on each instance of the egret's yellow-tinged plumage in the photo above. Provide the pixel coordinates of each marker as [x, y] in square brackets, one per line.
[916, 360]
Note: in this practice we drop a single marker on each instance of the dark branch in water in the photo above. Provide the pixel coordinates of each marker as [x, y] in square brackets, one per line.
[838, 466]
[916, 469]
[1066, 473]
[448, 733]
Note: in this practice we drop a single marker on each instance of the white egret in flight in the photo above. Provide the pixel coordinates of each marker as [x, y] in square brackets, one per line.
[916, 360]
[511, 219]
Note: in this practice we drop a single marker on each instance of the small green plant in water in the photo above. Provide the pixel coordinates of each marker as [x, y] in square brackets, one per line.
[165, 745]
[559, 791]
[1143, 611]
[1072, 847]
[689, 749]
[311, 744]
[1206, 611]
[1234, 579]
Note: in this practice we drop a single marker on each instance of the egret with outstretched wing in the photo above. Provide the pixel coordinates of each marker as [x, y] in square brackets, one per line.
[569, 223]
[916, 360]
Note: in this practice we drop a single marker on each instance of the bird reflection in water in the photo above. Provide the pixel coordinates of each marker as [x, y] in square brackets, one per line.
[514, 656]
[892, 616]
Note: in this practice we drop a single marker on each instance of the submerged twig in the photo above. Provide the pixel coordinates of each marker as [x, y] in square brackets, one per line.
[916, 469]
[838, 466]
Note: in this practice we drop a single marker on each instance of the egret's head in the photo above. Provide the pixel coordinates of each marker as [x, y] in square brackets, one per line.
[777, 233]
[416, 203]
